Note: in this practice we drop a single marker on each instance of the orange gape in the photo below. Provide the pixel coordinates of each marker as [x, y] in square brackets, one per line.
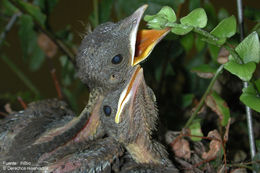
[145, 42]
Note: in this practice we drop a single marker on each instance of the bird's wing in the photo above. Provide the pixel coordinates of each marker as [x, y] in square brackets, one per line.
[19, 131]
[96, 156]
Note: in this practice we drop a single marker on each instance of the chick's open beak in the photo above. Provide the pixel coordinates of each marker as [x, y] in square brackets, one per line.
[142, 42]
[145, 42]
[141, 45]
[129, 91]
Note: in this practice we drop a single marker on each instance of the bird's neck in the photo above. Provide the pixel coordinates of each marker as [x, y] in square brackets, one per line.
[142, 148]
[146, 151]
[91, 129]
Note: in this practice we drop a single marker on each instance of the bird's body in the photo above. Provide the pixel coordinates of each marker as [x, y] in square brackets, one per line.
[113, 132]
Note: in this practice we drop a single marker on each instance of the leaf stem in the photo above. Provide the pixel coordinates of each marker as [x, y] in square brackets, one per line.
[202, 100]
[21, 75]
[205, 34]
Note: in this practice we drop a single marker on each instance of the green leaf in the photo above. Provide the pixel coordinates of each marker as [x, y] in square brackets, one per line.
[46, 5]
[243, 71]
[249, 48]
[27, 35]
[214, 51]
[199, 43]
[32, 54]
[159, 20]
[195, 130]
[8, 8]
[156, 21]
[187, 100]
[181, 29]
[187, 41]
[250, 96]
[168, 13]
[36, 59]
[226, 28]
[34, 11]
[218, 105]
[196, 18]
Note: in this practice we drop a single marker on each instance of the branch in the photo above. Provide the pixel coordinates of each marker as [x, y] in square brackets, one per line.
[24, 105]
[202, 100]
[58, 42]
[8, 27]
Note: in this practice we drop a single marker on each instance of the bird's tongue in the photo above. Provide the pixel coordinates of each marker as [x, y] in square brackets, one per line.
[129, 92]
[146, 40]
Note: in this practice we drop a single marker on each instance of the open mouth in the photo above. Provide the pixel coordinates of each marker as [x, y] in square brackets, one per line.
[142, 42]
[141, 45]
[129, 91]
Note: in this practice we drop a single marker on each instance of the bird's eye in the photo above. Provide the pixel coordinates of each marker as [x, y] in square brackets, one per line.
[107, 110]
[117, 59]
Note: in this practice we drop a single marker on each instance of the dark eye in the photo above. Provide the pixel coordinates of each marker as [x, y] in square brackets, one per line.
[107, 110]
[117, 59]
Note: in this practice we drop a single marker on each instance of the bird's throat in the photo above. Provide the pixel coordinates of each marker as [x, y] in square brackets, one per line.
[142, 151]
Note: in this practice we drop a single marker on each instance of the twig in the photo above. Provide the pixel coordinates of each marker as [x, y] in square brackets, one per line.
[204, 161]
[24, 105]
[8, 27]
[202, 100]
[241, 165]
[248, 110]
[54, 77]
[21, 75]
[56, 82]
[58, 42]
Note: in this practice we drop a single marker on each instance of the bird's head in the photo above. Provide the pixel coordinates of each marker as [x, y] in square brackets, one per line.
[130, 112]
[109, 55]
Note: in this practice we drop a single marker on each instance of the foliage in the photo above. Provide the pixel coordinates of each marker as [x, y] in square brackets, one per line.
[190, 73]
[242, 60]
